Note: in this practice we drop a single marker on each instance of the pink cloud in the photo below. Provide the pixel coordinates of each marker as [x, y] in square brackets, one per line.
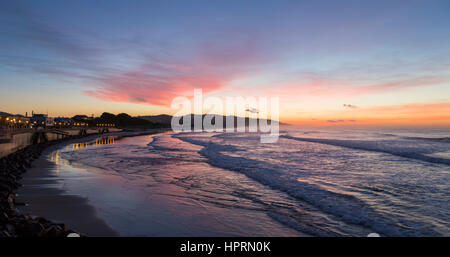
[401, 84]
[158, 81]
[143, 88]
[323, 87]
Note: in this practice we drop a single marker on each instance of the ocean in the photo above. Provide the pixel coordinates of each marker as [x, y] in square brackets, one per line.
[312, 182]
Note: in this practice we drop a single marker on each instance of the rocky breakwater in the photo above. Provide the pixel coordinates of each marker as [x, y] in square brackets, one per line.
[13, 223]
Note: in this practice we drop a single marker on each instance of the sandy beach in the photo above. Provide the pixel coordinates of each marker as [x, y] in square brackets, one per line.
[43, 197]
[105, 201]
[217, 184]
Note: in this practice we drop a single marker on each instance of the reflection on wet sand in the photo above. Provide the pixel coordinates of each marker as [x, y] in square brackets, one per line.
[55, 157]
[105, 141]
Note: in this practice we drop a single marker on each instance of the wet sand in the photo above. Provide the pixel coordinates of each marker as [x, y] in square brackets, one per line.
[43, 196]
[43, 193]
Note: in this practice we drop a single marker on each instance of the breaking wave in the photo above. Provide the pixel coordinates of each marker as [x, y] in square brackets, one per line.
[344, 206]
[389, 147]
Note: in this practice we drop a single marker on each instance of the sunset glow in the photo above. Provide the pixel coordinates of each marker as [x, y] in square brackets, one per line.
[373, 64]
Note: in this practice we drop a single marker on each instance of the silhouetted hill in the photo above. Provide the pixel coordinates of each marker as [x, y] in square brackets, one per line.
[9, 114]
[5, 114]
[162, 118]
[167, 119]
[126, 121]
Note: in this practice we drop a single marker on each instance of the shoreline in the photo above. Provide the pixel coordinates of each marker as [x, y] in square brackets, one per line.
[13, 167]
[153, 205]
[42, 196]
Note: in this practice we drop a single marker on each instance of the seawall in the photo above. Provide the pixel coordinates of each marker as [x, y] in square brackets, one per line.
[19, 140]
[17, 155]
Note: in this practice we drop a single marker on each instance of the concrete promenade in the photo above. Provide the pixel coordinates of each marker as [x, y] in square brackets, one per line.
[11, 141]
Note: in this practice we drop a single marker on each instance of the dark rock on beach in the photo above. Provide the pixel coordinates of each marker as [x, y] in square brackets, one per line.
[13, 223]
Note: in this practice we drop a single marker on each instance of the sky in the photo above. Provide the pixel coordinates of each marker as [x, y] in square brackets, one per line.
[329, 62]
